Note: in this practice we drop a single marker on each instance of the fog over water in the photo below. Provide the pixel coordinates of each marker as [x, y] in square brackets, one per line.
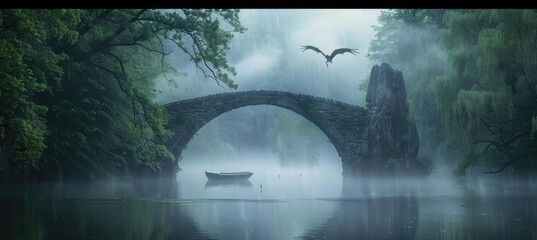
[268, 57]
[297, 190]
[315, 202]
[270, 180]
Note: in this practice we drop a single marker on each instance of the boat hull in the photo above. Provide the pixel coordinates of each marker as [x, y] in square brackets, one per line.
[228, 176]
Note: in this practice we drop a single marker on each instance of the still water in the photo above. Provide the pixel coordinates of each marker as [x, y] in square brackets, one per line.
[276, 203]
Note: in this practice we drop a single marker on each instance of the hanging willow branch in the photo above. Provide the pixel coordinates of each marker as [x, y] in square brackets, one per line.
[505, 140]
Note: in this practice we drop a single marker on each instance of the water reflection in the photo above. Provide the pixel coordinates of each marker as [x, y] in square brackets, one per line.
[228, 183]
[434, 208]
[486, 208]
[479, 209]
[101, 210]
[372, 209]
[270, 210]
[153, 188]
[371, 218]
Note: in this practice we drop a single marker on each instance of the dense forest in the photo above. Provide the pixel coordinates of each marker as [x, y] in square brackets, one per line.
[79, 95]
[471, 79]
[78, 86]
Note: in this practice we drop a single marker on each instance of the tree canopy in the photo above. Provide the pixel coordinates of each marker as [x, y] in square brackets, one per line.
[78, 86]
[407, 40]
[490, 100]
[478, 68]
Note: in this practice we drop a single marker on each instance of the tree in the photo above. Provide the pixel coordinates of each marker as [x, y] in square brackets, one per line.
[296, 141]
[27, 64]
[407, 40]
[490, 101]
[102, 118]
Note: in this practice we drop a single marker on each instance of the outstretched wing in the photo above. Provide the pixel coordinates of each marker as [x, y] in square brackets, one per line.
[343, 50]
[306, 47]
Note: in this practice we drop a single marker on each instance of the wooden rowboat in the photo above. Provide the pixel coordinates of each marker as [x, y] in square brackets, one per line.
[228, 175]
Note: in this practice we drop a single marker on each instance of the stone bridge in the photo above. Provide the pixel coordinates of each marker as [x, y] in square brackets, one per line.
[344, 124]
[380, 139]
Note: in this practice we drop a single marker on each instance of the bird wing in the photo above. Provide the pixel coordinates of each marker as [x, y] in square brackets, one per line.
[306, 47]
[343, 50]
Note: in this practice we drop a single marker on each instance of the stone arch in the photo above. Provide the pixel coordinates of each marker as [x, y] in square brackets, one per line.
[382, 140]
[344, 124]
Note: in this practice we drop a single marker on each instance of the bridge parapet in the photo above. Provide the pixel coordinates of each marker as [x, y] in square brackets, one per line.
[380, 139]
[344, 124]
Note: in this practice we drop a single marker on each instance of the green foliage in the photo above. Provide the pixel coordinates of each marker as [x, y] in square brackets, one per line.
[207, 142]
[407, 40]
[533, 127]
[98, 116]
[200, 29]
[469, 158]
[296, 140]
[27, 65]
[490, 100]
[486, 101]
[445, 93]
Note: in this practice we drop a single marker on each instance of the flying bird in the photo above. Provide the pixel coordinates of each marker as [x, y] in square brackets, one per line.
[331, 56]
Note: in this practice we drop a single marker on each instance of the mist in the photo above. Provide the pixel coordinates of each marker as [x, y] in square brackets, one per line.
[221, 124]
[268, 57]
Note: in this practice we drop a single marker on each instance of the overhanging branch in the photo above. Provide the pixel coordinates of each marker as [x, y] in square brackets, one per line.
[507, 164]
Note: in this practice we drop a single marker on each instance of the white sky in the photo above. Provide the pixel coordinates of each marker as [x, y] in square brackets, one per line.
[326, 29]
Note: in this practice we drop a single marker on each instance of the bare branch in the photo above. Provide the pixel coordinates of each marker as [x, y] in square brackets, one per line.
[195, 63]
[203, 54]
[517, 137]
[88, 26]
[132, 99]
[141, 45]
[212, 75]
[489, 127]
[106, 42]
[507, 164]
[495, 144]
[136, 98]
